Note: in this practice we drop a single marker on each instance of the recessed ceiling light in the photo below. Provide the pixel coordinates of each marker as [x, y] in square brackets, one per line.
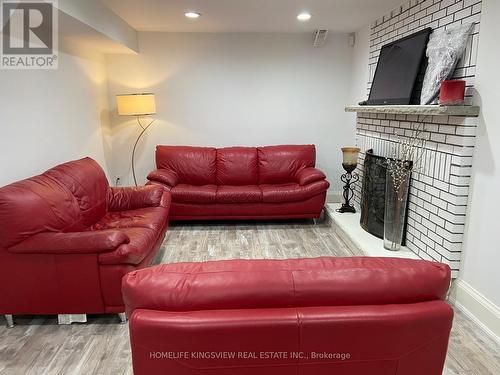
[192, 14]
[304, 16]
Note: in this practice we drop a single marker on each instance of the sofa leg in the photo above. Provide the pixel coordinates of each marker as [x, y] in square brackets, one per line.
[321, 219]
[123, 318]
[71, 318]
[10, 320]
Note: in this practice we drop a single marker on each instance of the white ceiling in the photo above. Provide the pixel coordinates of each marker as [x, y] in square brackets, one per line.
[249, 15]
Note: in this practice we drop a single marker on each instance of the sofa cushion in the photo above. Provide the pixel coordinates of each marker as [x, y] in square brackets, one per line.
[38, 204]
[237, 166]
[280, 164]
[194, 194]
[239, 194]
[88, 183]
[292, 192]
[150, 217]
[191, 165]
[142, 242]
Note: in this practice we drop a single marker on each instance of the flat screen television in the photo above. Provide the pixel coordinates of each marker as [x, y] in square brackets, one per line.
[398, 68]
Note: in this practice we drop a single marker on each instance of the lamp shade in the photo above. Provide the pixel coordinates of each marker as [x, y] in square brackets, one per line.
[136, 104]
[350, 155]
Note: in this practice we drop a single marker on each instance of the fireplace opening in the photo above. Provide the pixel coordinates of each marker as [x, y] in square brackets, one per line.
[373, 195]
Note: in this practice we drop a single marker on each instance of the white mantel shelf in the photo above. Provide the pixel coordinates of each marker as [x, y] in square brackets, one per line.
[428, 110]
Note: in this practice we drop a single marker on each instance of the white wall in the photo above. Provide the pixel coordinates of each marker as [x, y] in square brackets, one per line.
[52, 116]
[360, 70]
[482, 254]
[235, 89]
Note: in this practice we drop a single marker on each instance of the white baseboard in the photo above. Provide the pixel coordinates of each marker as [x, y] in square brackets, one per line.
[464, 297]
[476, 307]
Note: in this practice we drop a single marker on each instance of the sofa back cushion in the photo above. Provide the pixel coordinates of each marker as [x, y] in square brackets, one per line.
[193, 165]
[253, 284]
[237, 166]
[280, 164]
[38, 204]
[88, 184]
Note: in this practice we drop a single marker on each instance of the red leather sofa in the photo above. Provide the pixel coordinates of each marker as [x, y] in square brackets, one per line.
[343, 316]
[67, 239]
[275, 182]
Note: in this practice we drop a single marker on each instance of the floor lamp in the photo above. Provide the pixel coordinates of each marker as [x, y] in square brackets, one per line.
[138, 105]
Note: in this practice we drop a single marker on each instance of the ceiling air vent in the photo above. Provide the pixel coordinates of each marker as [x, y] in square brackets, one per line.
[320, 38]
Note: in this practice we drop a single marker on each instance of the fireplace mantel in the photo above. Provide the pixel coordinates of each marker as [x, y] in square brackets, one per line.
[428, 110]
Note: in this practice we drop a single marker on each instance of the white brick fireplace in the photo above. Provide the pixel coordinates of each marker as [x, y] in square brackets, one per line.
[439, 191]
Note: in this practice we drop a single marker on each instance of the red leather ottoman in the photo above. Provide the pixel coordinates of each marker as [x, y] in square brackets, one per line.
[342, 316]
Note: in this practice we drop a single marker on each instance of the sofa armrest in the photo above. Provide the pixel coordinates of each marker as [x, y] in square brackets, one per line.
[309, 175]
[164, 176]
[166, 199]
[90, 242]
[131, 198]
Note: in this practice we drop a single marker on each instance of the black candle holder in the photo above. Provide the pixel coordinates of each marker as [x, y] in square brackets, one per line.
[349, 179]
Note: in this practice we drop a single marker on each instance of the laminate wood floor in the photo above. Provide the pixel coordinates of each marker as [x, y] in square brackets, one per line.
[37, 345]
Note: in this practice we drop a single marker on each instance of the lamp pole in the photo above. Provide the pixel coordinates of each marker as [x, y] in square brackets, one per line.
[138, 105]
[144, 128]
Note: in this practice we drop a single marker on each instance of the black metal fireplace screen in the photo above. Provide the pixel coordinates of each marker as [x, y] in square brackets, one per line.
[373, 195]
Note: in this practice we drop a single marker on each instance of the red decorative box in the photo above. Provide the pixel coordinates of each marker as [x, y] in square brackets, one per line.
[452, 92]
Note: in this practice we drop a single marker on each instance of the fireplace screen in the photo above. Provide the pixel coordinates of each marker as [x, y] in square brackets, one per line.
[373, 195]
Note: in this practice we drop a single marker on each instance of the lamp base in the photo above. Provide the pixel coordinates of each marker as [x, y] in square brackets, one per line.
[346, 208]
[349, 179]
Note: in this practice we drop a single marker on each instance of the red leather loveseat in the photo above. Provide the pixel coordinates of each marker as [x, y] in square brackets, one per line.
[322, 316]
[275, 182]
[67, 239]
